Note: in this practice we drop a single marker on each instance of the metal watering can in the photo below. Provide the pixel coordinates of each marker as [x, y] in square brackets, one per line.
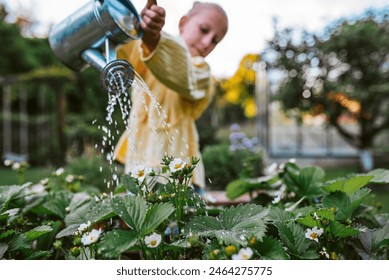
[90, 36]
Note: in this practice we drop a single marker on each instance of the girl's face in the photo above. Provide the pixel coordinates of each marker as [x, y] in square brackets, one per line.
[202, 30]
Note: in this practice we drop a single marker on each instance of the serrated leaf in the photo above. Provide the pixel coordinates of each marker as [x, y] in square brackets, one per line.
[99, 211]
[271, 249]
[293, 236]
[77, 216]
[131, 209]
[115, 242]
[279, 215]
[380, 237]
[156, 214]
[344, 205]
[349, 185]
[37, 232]
[3, 249]
[379, 176]
[78, 199]
[310, 221]
[7, 233]
[69, 230]
[7, 193]
[341, 231]
[230, 227]
[39, 255]
[306, 182]
[56, 203]
[19, 242]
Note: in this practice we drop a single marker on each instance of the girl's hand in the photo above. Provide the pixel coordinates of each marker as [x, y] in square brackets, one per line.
[153, 20]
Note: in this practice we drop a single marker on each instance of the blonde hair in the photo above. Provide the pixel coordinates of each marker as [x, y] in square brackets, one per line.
[206, 5]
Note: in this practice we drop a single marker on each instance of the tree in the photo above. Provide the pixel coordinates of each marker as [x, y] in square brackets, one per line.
[344, 73]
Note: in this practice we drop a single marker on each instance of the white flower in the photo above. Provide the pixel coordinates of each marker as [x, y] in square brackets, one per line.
[314, 233]
[12, 212]
[83, 227]
[271, 169]
[243, 254]
[276, 199]
[139, 172]
[176, 165]
[324, 252]
[59, 171]
[90, 237]
[44, 181]
[153, 240]
[292, 160]
[8, 162]
[16, 166]
[69, 178]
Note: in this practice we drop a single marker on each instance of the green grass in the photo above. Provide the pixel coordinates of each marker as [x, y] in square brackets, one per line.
[34, 175]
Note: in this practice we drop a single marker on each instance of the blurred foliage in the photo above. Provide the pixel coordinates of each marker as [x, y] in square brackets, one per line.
[240, 88]
[342, 75]
[30, 63]
[222, 165]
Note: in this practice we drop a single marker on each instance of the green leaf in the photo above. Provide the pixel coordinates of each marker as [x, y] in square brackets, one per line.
[306, 182]
[379, 176]
[271, 249]
[77, 216]
[99, 211]
[132, 209]
[7, 193]
[279, 215]
[380, 237]
[372, 241]
[156, 214]
[115, 242]
[350, 185]
[3, 249]
[230, 227]
[37, 232]
[56, 203]
[39, 255]
[19, 242]
[344, 204]
[293, 236]
[69, 230]
[341, 231]
[310, 221]
[239, 187]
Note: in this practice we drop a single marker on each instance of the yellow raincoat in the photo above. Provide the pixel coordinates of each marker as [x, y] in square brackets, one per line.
[163, 123]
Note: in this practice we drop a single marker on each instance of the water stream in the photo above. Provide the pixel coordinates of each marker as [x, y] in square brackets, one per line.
[119, 98]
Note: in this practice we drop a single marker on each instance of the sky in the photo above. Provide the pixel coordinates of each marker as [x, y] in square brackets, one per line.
[250, 21]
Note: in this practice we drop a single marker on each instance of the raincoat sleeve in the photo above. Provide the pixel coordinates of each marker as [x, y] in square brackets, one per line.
[172, 64]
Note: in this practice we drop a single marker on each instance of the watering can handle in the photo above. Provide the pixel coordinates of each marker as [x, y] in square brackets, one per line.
[129, 5]
[151, 2]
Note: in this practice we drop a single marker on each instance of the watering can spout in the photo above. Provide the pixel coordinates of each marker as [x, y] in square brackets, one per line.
[89, 36]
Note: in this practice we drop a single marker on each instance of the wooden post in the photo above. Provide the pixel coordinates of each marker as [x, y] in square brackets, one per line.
[61, 108]
[23, 130]
[7, 121]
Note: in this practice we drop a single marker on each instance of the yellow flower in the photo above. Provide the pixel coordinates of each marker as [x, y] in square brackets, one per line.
[231, 249]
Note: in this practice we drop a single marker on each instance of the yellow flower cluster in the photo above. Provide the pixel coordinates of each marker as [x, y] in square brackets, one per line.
[239, 89]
